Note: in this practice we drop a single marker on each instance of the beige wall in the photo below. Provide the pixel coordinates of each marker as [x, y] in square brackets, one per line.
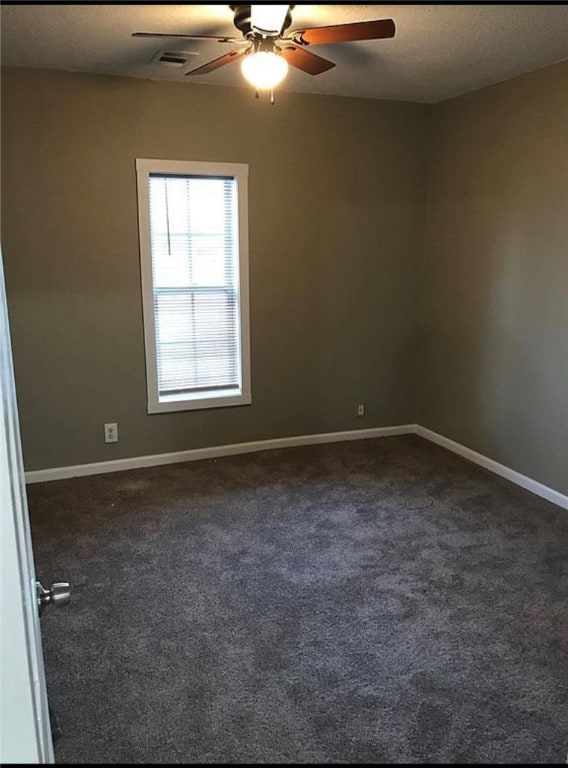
[339, 282]
[337, 207]
[494, 372]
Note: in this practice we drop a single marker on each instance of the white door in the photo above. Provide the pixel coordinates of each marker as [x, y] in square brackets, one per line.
[25, 734]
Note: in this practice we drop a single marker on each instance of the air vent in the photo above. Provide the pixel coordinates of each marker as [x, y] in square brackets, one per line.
[173, 58]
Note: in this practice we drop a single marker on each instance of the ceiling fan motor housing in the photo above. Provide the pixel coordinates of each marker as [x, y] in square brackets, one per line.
[242, 20]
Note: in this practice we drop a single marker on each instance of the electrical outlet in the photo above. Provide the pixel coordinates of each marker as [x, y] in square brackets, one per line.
[111, 433]
[361, 409]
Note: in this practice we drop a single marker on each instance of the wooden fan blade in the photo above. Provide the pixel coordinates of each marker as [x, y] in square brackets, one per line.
[345, 33]
[306, 61]
[218, 38]
[211, 66]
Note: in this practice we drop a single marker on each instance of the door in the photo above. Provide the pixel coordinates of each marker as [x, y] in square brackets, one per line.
[25, 735]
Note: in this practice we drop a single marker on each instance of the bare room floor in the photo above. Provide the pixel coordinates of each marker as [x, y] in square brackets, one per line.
[370, 601]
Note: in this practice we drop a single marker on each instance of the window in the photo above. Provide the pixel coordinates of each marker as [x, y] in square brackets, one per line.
[194, 259]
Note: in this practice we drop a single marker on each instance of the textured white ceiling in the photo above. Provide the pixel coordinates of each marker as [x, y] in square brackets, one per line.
[439, 51]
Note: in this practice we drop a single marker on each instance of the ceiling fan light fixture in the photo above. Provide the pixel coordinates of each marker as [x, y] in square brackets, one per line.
[268, 19]
[264, 70]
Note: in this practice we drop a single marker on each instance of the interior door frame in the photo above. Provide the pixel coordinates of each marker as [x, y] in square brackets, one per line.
[25, 730]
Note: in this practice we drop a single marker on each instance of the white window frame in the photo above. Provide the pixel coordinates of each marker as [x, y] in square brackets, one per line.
[189, 402]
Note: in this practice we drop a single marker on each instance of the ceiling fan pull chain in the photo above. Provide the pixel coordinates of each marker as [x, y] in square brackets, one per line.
[256, 94]
[272, 96]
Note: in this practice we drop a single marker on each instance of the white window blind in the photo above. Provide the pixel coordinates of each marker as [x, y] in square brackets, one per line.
[195, 276]
[193, 228]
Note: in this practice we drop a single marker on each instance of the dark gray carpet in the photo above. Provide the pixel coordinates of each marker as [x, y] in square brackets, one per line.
[371, 601]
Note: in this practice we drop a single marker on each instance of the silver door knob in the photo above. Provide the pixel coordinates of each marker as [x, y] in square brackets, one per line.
[58, 595]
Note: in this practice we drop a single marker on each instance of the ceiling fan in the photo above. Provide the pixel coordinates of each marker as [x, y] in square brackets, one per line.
[266, 48]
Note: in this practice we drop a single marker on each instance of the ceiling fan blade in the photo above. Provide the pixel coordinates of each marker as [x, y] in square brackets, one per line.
[219, 39]
[304, 60]
[345, 33]
[211, 66]
[268, 18]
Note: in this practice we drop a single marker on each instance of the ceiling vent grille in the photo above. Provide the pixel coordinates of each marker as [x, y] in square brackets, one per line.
[173, 58]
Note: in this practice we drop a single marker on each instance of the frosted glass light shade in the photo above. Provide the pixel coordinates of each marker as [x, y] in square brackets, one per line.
[268, 19]
[264, 70]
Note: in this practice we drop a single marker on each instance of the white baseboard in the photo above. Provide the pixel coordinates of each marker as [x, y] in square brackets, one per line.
[136, 462]
[493, 466]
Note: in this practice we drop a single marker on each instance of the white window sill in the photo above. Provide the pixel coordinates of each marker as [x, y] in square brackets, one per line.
[170, 403]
